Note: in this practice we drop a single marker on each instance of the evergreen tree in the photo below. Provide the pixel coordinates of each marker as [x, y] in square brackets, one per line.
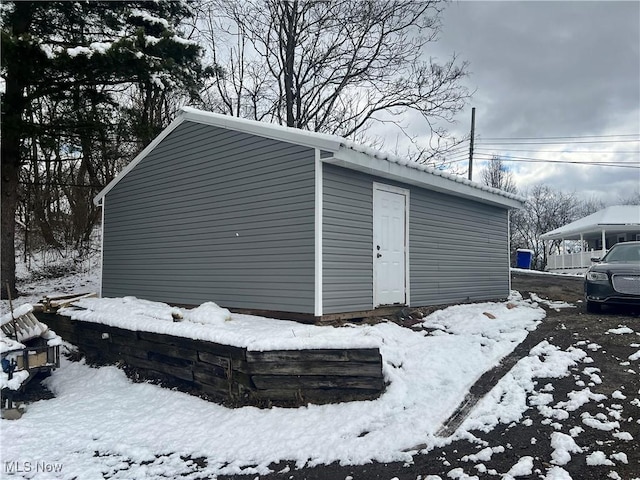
[81, 57]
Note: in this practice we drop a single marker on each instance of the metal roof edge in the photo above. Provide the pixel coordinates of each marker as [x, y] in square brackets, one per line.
[425, 177]
[305, 138]
[352, 155]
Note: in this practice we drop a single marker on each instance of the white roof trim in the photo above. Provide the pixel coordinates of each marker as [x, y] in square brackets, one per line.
[270, 130]
[346, 154]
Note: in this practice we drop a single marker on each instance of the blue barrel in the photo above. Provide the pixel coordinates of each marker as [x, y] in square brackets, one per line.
[524, 258]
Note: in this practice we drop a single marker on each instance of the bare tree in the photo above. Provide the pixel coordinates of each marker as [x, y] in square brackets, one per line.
[546, 209]
[334, 66]
[497, 175]
[631, 199]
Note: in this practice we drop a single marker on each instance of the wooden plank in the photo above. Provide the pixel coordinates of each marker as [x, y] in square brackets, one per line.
[214, 370]
[288, 397]
[95, 336]
[376, 312]
[57, 302]
[267, 382]
[315, 368]
[169, 360]
[121, 349]
[236, 353]
[211, 378]
[332, 355]
[168, 350]
[189, 343]
[102, 328]
[221, 361]
[67, 296]
[217, 394]
[181, 373]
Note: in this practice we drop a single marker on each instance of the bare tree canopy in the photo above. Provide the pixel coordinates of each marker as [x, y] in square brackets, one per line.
[497, 175]
[330, 66]
[546, 209]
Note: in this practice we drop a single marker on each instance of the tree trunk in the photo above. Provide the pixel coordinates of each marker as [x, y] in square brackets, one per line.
[290, 26]
[13, 105]
[9, 203]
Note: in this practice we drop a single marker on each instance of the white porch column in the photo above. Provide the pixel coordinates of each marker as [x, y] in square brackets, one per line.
[562, 252]
[604, 242]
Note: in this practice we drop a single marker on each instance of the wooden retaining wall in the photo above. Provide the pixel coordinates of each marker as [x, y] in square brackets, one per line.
[228, 374]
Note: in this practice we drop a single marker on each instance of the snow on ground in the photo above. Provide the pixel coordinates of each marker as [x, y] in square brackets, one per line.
[105, 426]
[102, 422]
[556, 305]
[44, 278]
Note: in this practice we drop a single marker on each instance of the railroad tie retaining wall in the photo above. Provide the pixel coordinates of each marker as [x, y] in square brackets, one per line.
[227, 373]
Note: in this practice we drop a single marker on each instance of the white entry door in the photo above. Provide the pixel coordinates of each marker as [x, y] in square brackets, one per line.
[389, 245]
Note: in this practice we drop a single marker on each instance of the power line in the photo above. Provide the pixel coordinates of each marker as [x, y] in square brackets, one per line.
[561, 137]
[633, 165]
[561, 151]
[481, 142]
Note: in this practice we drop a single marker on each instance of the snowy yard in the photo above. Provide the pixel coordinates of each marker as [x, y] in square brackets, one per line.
[102, 425]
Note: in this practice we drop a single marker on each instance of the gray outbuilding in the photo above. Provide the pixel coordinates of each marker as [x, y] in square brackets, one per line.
[264, 218]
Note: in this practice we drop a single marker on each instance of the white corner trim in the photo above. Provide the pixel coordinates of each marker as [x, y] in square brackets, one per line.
[101, 249]
[407, 246]
[172, 126]
[318, 304]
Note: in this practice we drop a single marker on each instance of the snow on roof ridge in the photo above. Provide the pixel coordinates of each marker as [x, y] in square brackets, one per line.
[350, 144]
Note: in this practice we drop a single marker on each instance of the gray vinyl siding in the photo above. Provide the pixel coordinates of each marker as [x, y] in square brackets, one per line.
[214, 215]
[347, 231]
[458, 248]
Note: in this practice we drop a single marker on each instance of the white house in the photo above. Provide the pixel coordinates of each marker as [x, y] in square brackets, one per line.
[596, 233]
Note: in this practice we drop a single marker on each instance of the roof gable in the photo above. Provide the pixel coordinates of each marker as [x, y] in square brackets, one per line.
[344, 152]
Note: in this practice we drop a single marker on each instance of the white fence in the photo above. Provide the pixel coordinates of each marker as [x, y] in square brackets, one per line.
[573, 261]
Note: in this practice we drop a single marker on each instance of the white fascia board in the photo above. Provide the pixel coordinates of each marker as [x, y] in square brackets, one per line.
[263, 129]
[172, 126]
[362, 162]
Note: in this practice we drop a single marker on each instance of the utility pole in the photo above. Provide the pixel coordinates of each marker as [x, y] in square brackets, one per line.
[473, 129]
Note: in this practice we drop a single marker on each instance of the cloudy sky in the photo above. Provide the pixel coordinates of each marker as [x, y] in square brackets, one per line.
[552, 69]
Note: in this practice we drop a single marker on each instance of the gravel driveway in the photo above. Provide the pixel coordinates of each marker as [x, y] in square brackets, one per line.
[609, 338]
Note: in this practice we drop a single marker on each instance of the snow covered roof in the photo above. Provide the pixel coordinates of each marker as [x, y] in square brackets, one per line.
[346, 153]
[616, 218]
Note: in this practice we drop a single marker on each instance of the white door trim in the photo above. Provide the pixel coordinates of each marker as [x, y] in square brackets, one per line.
[405, 192]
